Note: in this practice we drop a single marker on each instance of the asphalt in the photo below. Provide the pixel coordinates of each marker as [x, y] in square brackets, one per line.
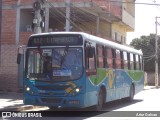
[12, 101]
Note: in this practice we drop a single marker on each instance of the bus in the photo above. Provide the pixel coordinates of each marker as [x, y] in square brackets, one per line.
[79, 70]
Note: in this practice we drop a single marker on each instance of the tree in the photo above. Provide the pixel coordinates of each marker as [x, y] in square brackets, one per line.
[147, 45]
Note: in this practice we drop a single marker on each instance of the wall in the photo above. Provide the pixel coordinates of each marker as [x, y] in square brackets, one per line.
[151, 79]
[120, 30]
[8, 52]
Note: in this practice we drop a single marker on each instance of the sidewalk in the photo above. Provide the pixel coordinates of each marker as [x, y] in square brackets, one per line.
[11, 101]
[149, 87]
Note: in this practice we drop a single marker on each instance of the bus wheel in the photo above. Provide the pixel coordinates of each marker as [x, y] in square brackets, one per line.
[131, 93]
[100, 103]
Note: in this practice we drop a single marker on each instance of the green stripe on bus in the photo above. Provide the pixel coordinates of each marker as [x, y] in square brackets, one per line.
[101, 74]
[136, 75]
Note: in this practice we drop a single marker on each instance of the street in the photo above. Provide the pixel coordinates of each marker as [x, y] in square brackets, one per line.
[146, 100]
[145, 104]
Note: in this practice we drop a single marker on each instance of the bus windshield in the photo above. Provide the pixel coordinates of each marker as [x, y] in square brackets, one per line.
[54, 64]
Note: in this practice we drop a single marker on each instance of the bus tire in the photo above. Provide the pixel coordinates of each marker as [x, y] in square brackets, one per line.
[131, 93]
[100, 102]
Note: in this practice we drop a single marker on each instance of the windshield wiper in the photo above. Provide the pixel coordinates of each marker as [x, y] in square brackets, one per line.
[64, 55]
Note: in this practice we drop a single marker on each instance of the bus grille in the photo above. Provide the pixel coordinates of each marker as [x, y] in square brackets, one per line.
[42, 87]
[51, 100]
[52, 94]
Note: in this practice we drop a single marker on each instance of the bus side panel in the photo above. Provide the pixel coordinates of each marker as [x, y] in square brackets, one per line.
[125, 78]
[90, 97]
[137, 78]
[117, 83]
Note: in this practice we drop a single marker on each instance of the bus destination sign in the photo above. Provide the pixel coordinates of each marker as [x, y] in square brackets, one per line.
[55, 40]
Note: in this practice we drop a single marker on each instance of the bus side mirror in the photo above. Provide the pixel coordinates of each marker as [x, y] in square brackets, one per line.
[19, 58]
[91, 51]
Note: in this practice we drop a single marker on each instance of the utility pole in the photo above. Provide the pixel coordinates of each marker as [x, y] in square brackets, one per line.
[68, 10]
[156, 56]
[37, 21]
[0, 26]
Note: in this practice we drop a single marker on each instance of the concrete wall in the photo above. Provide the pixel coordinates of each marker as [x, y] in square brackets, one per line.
[151, 78]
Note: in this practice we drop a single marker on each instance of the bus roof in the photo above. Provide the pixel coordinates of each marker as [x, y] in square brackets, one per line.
[97, 40]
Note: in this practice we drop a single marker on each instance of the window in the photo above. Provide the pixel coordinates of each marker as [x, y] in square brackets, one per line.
[54, 64]
[128, 57]
[122, 59]
[122, 39]
[90, 61]
[100, 59]
[131, 62]
[137, 62]
[105, 53]
[104, 57]
[114, 57]
[109, 58]
[115, 36]
[134, 59]
[140, 63]
[125, 60]
[118, 59]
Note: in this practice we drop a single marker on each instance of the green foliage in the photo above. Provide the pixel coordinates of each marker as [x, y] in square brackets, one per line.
[147, 45]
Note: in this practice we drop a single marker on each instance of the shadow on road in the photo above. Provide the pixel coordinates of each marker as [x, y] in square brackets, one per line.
[90, 112]
[110, 106]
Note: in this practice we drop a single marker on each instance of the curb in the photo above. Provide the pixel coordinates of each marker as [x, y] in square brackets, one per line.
[150, 87]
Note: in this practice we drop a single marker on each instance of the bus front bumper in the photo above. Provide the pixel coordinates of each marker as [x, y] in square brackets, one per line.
[69, 101]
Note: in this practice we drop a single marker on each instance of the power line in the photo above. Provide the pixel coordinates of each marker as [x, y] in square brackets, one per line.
[64, 16]
[116, 1]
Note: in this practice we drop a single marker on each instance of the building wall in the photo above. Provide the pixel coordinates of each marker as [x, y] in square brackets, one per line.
[121, 32]
[8, 66]
[8, 52]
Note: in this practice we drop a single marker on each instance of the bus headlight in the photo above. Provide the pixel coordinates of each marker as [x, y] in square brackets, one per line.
[28, 89]
[77, 90]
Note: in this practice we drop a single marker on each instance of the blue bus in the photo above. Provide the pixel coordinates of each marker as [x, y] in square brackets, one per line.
[78, 70]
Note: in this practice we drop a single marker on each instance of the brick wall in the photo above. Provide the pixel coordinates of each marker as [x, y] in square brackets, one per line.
[24, 37]
[8, 68]
[8, 26]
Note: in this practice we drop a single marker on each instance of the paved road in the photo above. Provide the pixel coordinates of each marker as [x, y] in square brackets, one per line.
[145, 103]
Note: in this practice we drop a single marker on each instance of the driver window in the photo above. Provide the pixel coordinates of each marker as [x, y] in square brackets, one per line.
[90, 61]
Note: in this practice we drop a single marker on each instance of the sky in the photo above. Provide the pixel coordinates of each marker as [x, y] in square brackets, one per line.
[145, 19]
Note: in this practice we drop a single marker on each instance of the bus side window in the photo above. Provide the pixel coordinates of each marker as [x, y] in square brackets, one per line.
[125, 60]
[100, 60]
[140, 63]
[122, 59]
[118, 59]
[128, 58]
[134, 61]
[105, 54]
[90, 61]
[137, 62]
[131, 62]
[114, 57]
[109, 58]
